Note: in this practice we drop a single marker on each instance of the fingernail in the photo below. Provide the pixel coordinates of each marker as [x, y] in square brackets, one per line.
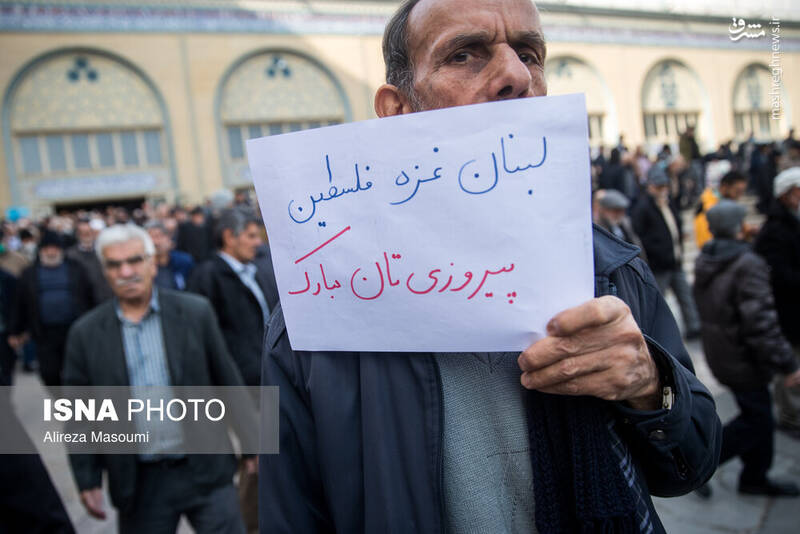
[552, 327]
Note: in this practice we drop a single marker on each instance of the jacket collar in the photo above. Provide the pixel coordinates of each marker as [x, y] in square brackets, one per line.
[610, 252]
[174, 335]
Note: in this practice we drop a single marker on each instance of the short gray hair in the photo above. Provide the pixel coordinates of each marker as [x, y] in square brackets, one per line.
[234, 219]
[396, 54]
[122, 233]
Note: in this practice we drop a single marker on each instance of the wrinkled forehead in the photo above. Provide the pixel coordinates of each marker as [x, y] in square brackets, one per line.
[123, 249]
[435, 21]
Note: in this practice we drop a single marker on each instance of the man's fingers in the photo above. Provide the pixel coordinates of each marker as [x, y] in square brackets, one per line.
[552, 349]
[594, 313]
[608, 385]
[565, 370]
[93, 501]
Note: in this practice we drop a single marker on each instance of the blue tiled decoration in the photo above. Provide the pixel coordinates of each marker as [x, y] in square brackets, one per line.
[82, 65]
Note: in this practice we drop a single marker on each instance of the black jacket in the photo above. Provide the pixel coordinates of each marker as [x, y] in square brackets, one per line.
[196, 356]
[195, 240]
[779, 243]
[361, 433]
[237, 310]
[655, 235]
[25, 316]
[741, 338]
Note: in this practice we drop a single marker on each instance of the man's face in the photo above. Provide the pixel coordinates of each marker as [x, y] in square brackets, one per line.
[161, 240]
[791, 199]
[129, 270]
[243, 247]
[659, 192]
[51, 256]
[613, 216]
[733, 191]
[85, 234]
[473, 51]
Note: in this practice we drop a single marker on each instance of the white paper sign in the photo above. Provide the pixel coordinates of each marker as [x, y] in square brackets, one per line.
[463, 229]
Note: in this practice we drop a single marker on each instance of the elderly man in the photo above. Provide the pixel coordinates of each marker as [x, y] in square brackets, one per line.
[572, 435]
[609, 209]
[151, 337]
[51, 294]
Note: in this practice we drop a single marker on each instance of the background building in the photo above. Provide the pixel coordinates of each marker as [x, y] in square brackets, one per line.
[114, 101]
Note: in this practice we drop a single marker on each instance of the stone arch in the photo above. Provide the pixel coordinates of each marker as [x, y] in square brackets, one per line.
[268, 92]
[569, 74]
[85, 124]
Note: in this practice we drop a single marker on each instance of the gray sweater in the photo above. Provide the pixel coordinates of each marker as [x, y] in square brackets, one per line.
[488, 479]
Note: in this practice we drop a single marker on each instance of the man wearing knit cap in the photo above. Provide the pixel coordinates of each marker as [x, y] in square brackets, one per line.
[51, 294]
[743, 344]
[658, 223]
[779, 243]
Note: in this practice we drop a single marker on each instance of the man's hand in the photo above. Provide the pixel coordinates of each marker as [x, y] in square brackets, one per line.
[792, 380]
[594, 349]
[251, 465]
[16, 342]
[92, 500]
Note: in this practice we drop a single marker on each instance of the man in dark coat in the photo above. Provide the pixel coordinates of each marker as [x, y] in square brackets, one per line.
[743, 344]
[242, 289]
[195, 236]
[52, 293]
[83, 252]
[241, 294]
[150, 337]
[779, 243]
[658, 224]
[572, 435]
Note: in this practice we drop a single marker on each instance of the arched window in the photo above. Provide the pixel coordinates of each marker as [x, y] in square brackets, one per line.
[672, 100]
[753, 98]
[273, 92]
[85, 125]
[571, 75]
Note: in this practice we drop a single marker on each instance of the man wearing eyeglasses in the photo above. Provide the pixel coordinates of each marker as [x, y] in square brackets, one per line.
[150, 337]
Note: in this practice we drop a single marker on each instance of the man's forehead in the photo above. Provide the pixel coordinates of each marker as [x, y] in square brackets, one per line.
[431, 20]
[123, 248]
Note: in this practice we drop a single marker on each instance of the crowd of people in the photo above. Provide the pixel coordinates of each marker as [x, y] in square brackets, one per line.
[744, 301]
[178, 281]
[574, 434]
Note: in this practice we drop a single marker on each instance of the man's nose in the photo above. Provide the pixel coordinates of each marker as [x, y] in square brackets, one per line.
[125, 270]
[511, 77]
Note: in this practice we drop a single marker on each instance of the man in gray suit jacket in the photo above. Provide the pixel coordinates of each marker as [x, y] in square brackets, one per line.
[150, 337]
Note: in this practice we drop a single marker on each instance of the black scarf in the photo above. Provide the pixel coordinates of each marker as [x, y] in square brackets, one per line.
[578, 484]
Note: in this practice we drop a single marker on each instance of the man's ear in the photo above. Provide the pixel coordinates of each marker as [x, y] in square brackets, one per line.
[389, 101]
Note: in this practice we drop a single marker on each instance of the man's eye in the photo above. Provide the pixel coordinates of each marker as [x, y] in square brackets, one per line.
[528, 59]
[459, 57]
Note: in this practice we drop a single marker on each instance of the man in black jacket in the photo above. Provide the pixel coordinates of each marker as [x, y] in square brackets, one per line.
[779, 243]
[242, 292]
[571, 435]
[52, 293]
[658, 224]
[743, 344]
